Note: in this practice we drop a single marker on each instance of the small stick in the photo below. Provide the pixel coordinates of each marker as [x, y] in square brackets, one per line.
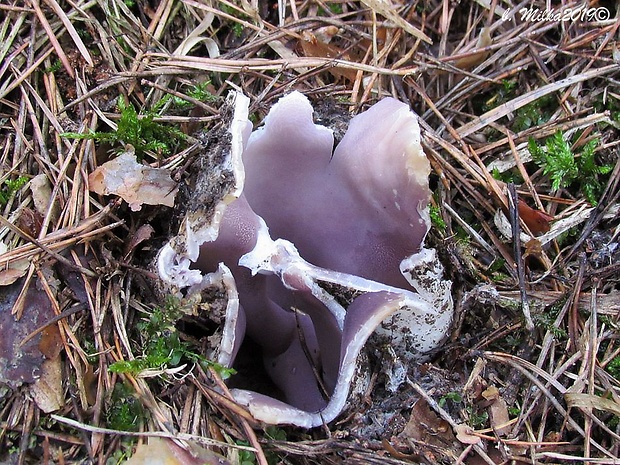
[46, 249]
[513, 201]
[304, 347]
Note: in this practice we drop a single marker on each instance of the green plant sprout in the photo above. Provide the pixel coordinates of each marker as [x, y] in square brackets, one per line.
[507, 176]
[334, 8]
[565, 168]
[476, 419]
[237, 28]
[436, 218]
[54, 67]
[10, 187]
[452, 396]
[198, 92]
[139, 130]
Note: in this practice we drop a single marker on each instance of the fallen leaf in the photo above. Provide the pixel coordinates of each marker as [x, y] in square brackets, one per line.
[588, 401]
[47, 391]
[498, 410]
[73, 281]
[313, 47]
[533, 248]
[42, 196]
[159, 451]
[491, 393]
[20, 362]
[499, 417]
[426, 427]
[50, 343]
[473, 60]
[90, 381]
[464, 433]
[134, 182]
[536, 220]
[326, 33]
[11, 270]
[10, 275]
[143, 233]
[30, 222]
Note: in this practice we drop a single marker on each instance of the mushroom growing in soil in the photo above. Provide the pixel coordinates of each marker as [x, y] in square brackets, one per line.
[316, 249]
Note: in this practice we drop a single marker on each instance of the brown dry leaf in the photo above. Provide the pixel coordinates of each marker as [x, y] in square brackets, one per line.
[143, 233]
[471, 61]
[426, 426]
[313, 47]
[30, 222]
[165, 452]
[499, 417]
[464, 434]
[536, 220]
[75, 281]
[575, 399]
[491, 393]
[388, 10]
[10, 275]
[20, 362]
[533, 248]
[498, 411]
[13, 270]
[47, 390]
[326, 33]
[90, 381]
[135, 183]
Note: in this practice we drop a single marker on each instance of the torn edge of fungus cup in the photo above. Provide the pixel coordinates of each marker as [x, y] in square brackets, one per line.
[315, 250]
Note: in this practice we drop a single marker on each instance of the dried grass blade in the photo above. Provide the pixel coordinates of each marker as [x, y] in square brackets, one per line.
[52, 37]
[260, 64]
[72, 32]
[22, 76]
[7, 42]
[502, 110]
[153, 434]
[386, 9]
[590, 401]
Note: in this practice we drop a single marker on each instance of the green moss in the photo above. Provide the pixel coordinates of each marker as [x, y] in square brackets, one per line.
[10, 187]
[198, 92]
[436, 218]
[613, 367]
[54, 67]
[162, 345]
[566, 169]
[125, 412]
[534, 114]
[140, 130]
[508, 176]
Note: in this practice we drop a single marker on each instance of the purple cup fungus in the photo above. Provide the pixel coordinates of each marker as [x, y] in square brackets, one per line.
[316, 249]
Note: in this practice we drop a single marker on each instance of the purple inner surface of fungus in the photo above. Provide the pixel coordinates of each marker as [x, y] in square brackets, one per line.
[355, 210]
